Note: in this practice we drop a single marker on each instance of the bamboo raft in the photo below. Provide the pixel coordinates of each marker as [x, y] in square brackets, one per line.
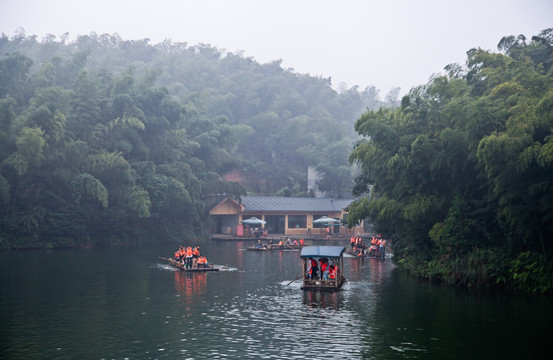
[334, 253]
[180, 266]
[369, 254]
[275, 248]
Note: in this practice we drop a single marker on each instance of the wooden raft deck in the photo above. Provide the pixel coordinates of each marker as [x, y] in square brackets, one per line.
[178, 265]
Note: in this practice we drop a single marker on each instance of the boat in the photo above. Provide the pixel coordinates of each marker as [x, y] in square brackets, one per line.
[334, 256]
[180, 266]
[366, 254]
[277, 247]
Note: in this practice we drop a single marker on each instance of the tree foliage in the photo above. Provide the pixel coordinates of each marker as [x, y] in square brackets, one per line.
[462, 170]
[105, 140]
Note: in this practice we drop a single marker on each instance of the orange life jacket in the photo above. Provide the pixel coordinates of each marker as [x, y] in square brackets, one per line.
[313, 266]
[332, 273]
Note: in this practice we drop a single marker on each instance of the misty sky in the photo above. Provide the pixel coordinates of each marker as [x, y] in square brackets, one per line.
[385, 43]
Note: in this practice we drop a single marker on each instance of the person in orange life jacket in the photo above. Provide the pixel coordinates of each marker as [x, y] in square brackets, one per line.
[177, 254]
[202, 261]
[382, 248]
[182, 254]
[301, 242]
[195, 255]
[313, 269]
[372, 250]
[189, 257]
[352, 242]
[332, 272]
[324, 269]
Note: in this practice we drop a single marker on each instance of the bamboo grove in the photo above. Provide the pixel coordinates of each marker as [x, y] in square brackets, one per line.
[109, 141]
[461, 174]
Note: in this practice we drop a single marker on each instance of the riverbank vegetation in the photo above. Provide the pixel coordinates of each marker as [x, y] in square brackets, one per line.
[461, 174]
[109, 141]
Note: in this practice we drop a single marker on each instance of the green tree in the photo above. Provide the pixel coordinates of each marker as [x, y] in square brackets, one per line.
[460, 174]
[14, 76]
[30, 144]
[85, 103]
[86, 186]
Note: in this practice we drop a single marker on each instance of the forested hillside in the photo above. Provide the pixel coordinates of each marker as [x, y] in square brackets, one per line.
[105, 140]
[461, 174]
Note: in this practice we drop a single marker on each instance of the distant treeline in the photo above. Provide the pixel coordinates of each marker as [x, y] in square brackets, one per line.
[461, 174]
[106, 141]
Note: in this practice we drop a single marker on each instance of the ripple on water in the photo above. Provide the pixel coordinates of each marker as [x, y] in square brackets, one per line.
[280, 323]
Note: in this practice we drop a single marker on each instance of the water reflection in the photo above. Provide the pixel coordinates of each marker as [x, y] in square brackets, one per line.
[322, 299]
[280, 322]
[190, 285]
[117, 304]
[378, 269]
[356, 265]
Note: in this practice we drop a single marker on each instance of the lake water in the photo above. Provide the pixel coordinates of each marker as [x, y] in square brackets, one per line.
[124, 303]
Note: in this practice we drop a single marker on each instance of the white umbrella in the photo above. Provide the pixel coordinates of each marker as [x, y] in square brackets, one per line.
[325, 220]
[254, 221]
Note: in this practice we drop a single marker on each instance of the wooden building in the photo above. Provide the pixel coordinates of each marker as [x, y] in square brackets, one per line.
[282, 215]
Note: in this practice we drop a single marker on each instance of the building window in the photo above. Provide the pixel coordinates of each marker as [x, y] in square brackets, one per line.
[297, 221]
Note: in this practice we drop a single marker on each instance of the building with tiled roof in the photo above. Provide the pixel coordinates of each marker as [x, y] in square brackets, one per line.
[282, 215]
